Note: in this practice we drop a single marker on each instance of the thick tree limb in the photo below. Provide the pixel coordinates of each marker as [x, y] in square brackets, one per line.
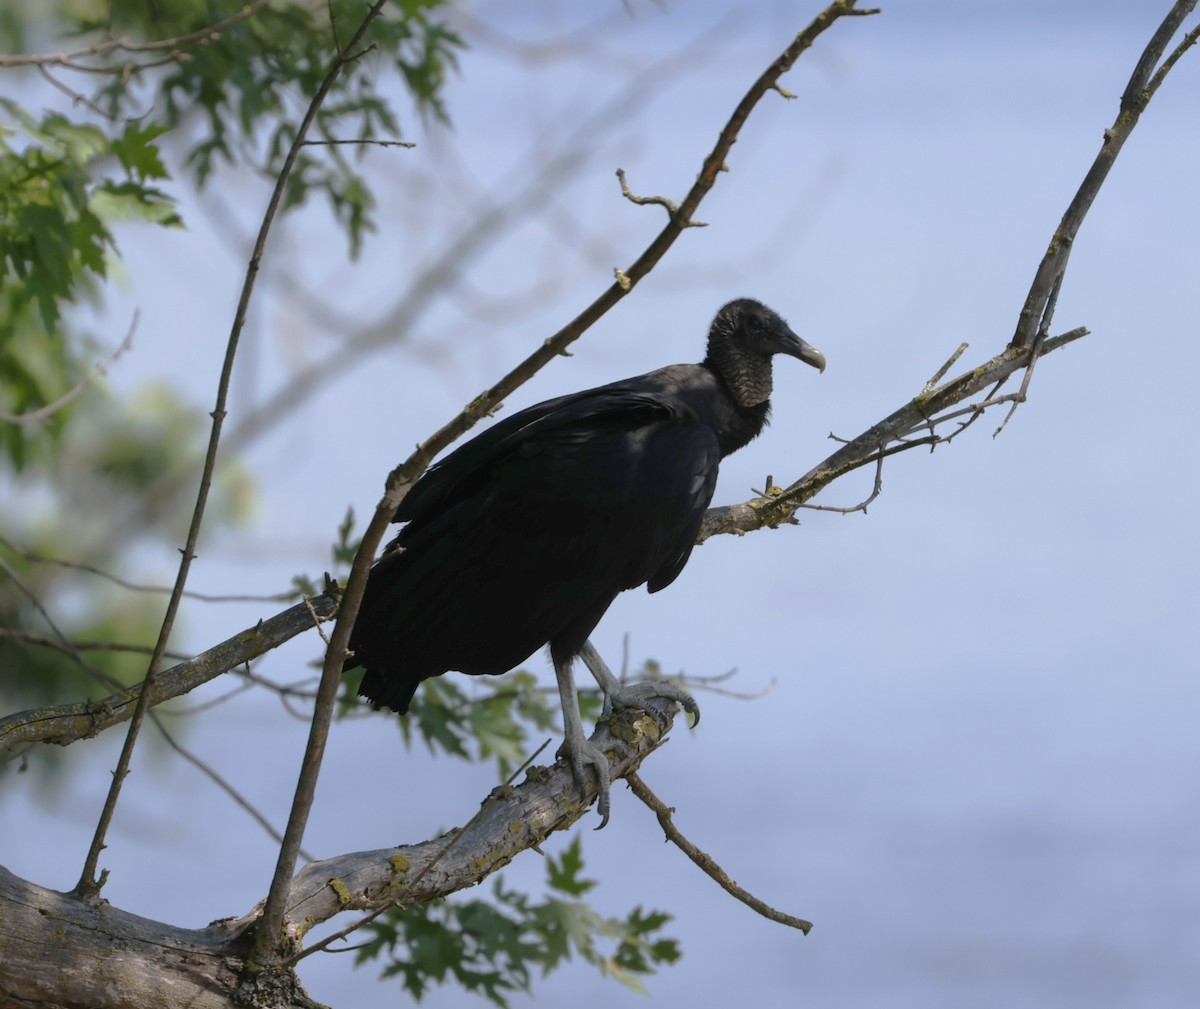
[73, 953]
[69, 951]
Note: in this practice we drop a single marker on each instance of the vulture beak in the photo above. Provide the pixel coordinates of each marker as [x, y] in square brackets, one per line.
[793, 346]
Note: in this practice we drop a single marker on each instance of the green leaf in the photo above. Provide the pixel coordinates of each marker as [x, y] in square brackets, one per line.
[563, 874]
[138, 153]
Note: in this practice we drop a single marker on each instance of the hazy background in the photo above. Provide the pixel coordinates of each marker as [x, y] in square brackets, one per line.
[978, 772]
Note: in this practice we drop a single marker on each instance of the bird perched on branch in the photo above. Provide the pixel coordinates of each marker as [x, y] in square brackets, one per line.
[525, 534]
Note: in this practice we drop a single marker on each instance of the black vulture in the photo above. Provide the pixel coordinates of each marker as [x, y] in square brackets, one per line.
[524, 535]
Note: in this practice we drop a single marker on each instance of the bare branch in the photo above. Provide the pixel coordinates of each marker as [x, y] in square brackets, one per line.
[513, 819]
[705, 861]
[42, 412]
[359, 143]
[887, 437]
[662, 201]
[278, 597]
[1137, 94]
[173, 47]
[88, 885]
[454, 838]
[153, 963]
[66, 723]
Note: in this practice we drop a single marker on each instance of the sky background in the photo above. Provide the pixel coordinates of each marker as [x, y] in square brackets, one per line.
[978, 770]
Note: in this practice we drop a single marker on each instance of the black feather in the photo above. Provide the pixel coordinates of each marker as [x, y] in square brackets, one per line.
[525, 534]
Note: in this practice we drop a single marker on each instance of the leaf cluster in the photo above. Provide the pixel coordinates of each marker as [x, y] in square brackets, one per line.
[62, 185]
[236, 91]
[494, 948]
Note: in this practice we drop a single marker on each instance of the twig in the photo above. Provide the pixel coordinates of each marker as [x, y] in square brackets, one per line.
[707, 683]
[359, 143]
[862, 505]
[705, 861]
[404, 476]
[216, 778]
[64, 645]
[316, 620]
[76, 97]
[1189, 40]
[42, 412]
[425, 870]
[1134, 99]
[70, 60]
[266, 942]
[72, 647]
[88, 885]
[205, 597]
[941, 372]
[662, 201]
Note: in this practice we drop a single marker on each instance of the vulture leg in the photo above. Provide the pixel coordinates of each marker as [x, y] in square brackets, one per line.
[579, 749]
[633, 695]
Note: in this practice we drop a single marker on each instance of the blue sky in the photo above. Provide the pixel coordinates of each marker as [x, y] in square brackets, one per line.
[976, 771]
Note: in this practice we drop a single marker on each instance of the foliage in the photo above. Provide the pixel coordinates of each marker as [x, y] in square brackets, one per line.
[57, 204]
[186, 90]
[493, 948]
[191, 83]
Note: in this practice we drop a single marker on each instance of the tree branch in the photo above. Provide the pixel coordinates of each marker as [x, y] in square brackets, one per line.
[1138, 92]
[42, 412]
[172, 46]
[706, 862]
[401, 479]
[63, 724]
[91, 954]
[887, 437]
[88, 884]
